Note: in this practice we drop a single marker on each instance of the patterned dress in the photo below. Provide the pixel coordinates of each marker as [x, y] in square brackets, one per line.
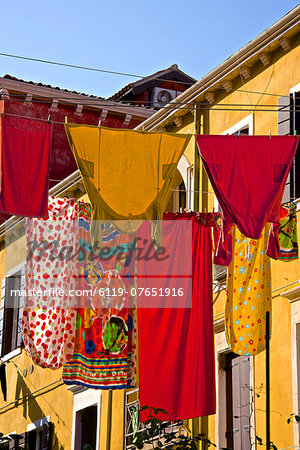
[104, 356]
[248, 294]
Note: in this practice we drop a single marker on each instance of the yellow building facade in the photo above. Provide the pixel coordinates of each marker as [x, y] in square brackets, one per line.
[255, 91]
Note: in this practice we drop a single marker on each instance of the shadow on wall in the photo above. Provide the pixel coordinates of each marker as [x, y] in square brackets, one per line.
[31, 408]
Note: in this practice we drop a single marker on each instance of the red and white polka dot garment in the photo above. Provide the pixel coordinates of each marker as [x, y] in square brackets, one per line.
[48, 323]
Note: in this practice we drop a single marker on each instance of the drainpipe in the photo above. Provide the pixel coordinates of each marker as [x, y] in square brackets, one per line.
[109, 414]
[197, 127]
[189, 187]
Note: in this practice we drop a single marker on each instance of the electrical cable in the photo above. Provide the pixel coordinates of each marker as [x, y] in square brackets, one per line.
[70, 123]
[95, 69]
[140, 103]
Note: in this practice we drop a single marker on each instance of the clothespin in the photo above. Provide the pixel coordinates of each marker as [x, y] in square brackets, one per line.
[143, 129]
[66, 119]
[99, 123]
[49, 117]
[270, 134]
[295, 133]
[187, 132]
[239, 134]
[1, 107]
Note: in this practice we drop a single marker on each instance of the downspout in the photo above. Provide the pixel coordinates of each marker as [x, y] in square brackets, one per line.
[197, 126]
[200, 177]
[109, 414]
[200, 424]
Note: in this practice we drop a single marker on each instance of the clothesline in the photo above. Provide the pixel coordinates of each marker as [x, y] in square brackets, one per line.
[174, 107]
[96, 69]
[191, 190]
[144, 103]
[146, 131]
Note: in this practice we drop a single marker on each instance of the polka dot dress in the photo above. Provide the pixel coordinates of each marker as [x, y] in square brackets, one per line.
[48, 322]
[248, 294]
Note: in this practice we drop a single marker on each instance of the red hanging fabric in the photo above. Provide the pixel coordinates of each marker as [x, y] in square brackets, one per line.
[176, 344]
[25, 146]
[248, 175]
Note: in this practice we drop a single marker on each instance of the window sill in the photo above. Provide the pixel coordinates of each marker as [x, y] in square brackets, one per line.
[11, 355]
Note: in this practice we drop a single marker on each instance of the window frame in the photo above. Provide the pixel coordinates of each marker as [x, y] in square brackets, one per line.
[84, 398]
[294, 90]
[221, 349]
[293, 296]
[220, 272]
[37, 426]
[175, 426]
[20, 268]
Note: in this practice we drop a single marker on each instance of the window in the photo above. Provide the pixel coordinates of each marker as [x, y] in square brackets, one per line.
[288, 122]
[39, 438]
[293, 296]
[86, 418]
[133, 424]
[235, 399]
[86, 428]
[244, 127]
[177, 201]
[11, 312]
[297, 411]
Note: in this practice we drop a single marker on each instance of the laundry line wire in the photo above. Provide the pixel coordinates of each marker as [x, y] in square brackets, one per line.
[176, 190]
[56, 122]
[92, 69]
[95, 69]
[86, 100]
[191, 190]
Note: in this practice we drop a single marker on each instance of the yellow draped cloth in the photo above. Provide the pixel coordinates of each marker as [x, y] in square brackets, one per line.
[248, 295]
[127, 174]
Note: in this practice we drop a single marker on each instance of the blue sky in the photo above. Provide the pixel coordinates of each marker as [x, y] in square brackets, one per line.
[138, 37]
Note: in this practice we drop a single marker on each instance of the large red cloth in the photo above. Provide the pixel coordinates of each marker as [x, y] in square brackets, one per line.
[248, 175]
[176, 344]
[25, 145]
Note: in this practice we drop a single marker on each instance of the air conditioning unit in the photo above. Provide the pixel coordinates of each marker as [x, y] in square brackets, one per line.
[162, 96]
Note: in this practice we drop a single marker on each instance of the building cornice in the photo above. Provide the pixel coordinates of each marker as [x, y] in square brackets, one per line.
[69, 98]
[286, 26]
[293, 295]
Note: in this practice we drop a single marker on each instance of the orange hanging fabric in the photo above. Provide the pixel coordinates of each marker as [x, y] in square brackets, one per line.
[128, 175]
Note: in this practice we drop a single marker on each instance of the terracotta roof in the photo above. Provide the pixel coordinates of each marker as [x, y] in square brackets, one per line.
[9, 77]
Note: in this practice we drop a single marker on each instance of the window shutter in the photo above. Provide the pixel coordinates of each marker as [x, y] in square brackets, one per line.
[20, 307]
[12, 311]
[236, 404]
[12, 444]
[285, 128]
[2, 301]
[245, 401]
[285, 124]
[47, 436]
[8, 319]
[22, 442]
[240, 382]
[298, 370]
[296, 126]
